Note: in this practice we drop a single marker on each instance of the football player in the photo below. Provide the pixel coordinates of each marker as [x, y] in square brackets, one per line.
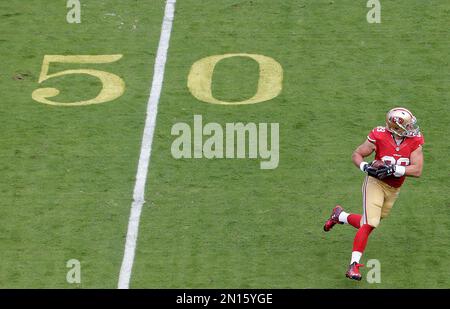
[398, 153]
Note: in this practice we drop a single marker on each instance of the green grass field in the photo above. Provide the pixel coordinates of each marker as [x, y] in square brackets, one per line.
[68, 173]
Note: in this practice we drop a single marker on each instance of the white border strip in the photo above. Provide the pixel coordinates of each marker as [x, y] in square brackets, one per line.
[146, 147]
[364, 193]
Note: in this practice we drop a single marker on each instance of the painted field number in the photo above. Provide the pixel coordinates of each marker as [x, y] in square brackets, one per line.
[269, 83]
[112, 85]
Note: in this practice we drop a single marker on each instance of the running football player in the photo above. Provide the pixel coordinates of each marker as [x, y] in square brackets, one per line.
[398, 153]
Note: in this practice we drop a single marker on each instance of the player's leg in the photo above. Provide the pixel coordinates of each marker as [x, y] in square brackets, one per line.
[390, 196]
[349, 218]
[373, 199]
[339, 216]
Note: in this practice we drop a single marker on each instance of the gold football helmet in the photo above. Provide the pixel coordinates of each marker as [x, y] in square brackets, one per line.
[402, 122]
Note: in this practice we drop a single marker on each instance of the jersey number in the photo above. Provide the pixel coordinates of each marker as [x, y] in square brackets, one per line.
[391, 160]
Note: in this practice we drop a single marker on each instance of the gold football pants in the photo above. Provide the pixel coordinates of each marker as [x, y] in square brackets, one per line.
[378, 199]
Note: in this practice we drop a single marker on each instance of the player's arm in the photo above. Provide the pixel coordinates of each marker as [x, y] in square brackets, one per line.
[415, 166]
[363, 150]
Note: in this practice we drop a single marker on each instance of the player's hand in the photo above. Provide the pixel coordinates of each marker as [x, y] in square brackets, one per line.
[372, 171]
[369, 169]
[385, 171]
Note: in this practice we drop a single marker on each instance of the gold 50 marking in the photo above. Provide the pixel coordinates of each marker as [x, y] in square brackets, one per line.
[199, 79]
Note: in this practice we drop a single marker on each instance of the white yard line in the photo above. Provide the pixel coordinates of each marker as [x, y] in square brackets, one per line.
[146, 147]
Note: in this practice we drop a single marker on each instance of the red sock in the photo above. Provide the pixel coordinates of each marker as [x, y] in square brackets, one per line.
[354, 220]
[361, 237]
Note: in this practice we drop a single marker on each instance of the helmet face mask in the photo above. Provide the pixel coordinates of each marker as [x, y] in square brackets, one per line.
[402, 122]
[412, 129]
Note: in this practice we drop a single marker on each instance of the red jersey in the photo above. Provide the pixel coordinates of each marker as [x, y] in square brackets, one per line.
[388, 151]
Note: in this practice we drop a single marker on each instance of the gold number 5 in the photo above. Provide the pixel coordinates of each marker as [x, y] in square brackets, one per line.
[112, 85]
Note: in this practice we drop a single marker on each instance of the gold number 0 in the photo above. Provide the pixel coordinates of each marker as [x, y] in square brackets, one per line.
[112, 85]
[269, 84]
